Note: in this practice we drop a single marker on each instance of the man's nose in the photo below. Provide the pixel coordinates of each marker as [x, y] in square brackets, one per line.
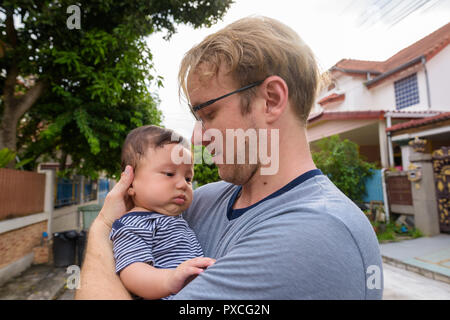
[197, 135]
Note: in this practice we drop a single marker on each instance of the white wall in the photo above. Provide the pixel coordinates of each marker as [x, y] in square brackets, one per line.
[439, 77]
[358, 97]
[384, 94]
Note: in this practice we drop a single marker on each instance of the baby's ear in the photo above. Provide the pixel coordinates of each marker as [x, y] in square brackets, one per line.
[131, 192]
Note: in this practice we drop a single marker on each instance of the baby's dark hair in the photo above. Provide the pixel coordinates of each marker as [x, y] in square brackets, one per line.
[140, 139]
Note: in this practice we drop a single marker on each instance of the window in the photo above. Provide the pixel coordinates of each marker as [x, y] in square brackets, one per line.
[406, 92]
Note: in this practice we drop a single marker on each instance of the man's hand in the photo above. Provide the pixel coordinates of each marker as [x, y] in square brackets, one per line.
[186, 272]
[117, 201]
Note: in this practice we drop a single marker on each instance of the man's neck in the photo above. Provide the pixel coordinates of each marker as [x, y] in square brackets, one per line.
[294, 160]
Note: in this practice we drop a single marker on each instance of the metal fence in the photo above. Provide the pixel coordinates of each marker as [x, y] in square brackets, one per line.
[68, 191]
[104, 186]
[374, 187]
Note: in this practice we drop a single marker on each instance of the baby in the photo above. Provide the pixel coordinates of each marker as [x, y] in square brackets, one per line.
[155, 250]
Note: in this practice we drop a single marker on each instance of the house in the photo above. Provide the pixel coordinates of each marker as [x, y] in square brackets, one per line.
[364, 98]
[390, 109]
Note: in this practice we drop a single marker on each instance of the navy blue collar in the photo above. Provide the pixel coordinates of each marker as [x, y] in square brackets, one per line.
[118, 224]
[236, 213]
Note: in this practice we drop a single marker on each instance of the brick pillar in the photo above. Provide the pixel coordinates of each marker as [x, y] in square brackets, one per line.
[424, 195]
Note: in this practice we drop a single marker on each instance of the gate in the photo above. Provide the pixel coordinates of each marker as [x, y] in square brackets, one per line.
[441, 168]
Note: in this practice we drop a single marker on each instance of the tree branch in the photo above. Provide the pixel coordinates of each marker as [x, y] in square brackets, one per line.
[13, 71]
[10, 84]
[11, 33]
[27, 100]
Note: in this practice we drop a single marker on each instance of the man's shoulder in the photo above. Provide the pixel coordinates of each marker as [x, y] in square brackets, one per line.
[314, 203]
[213, 188]
[317, 194]
[211, 198]
[320, 192]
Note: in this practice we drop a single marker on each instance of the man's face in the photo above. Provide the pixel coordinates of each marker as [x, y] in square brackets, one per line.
[221, 115]
[161, 185]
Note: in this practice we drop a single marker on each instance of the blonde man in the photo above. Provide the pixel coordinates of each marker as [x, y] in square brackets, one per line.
[290, 235]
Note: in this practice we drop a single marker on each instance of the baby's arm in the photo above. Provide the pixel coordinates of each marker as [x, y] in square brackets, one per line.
[149, 282]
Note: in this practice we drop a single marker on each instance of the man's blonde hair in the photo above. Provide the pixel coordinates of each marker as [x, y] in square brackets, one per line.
[253, 49]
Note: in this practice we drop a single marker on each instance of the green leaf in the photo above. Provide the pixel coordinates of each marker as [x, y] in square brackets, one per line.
[6, 156]
[341, 162]
[104, 70]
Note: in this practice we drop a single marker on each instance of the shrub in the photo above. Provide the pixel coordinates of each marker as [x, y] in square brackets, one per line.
[203, 172]
[341, 162]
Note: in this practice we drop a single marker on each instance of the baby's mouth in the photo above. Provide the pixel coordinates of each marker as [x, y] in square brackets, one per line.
[181, 199]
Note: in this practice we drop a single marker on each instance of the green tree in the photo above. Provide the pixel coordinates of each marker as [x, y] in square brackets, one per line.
[341, 162]
[206, 171]
[77, 92]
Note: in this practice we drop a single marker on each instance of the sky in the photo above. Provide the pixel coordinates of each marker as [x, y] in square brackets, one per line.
[334, 29]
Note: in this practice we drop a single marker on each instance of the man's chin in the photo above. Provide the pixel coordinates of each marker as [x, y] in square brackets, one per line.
[237, 174]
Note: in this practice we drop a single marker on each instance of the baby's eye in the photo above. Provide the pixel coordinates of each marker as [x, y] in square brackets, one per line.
[169, 174]
[188, 179]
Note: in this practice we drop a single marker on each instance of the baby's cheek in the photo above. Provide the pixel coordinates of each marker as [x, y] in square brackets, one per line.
[188, 203]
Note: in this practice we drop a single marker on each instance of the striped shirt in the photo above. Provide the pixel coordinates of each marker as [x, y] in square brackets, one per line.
[153, 238]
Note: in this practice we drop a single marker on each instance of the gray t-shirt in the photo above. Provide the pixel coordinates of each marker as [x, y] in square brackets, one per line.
[305, 241]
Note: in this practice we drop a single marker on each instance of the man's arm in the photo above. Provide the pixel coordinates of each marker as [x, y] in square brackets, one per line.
[98, 278]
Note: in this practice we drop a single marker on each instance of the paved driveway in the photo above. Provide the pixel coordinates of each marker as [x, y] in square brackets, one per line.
[400, 284]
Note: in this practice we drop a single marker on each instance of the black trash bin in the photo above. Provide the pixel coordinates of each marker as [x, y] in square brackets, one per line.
[81, 245]
[64, 247]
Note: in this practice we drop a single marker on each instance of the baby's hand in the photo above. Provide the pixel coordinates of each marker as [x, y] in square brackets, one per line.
[186, 272]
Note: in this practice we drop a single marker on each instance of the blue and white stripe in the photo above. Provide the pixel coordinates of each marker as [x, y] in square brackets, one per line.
[149, 237]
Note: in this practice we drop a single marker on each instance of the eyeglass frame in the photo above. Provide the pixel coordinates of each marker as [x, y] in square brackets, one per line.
[210, 102]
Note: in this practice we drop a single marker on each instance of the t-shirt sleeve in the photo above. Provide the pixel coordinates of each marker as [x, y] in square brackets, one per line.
[131, 244]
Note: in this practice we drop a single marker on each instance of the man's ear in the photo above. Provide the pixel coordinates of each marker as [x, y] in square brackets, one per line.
[276, 93]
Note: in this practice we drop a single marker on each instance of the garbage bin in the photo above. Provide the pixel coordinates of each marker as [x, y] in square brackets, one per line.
[81, 245]
[89, 212]
[64, 246]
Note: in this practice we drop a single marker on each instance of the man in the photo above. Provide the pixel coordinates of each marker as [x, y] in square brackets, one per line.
[289, 235]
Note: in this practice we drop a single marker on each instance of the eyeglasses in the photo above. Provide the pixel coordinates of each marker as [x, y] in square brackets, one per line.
[210, 102]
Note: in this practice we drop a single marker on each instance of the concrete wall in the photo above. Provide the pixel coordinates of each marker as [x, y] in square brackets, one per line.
[424, 196]
[16, 248]
[68, 218]
[15, 244]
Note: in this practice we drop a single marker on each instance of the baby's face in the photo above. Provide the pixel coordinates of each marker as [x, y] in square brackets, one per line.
[161, 185]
